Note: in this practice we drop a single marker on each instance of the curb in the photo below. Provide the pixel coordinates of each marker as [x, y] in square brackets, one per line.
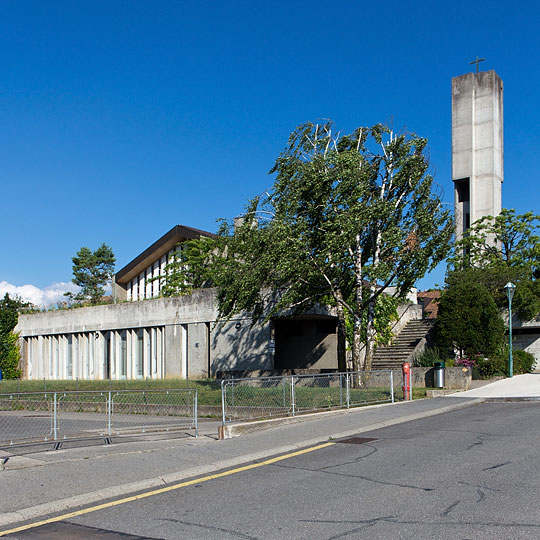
[68, 503]
[228, 431]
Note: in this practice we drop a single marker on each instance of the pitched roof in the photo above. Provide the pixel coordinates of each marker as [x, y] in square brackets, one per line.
[179, 233]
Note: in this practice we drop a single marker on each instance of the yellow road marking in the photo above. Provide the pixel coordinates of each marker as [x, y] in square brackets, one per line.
[163, 490]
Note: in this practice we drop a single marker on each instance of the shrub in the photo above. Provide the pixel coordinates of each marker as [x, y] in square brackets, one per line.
[469, 321]
[486, 368]
[523, 361]
[429, 356]
[497, 365]
[9, 356]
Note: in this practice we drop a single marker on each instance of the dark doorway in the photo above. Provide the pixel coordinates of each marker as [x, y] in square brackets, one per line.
[305, 343]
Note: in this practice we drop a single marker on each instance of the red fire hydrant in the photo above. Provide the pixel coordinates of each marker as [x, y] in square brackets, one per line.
[406, 381]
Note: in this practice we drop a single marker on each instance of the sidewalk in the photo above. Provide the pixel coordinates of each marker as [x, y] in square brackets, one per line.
[38, 484]
[519, 386]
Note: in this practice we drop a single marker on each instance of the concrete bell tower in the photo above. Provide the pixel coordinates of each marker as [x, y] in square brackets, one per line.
[477, 147]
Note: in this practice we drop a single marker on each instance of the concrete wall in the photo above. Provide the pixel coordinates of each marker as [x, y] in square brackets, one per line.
[197, 307]
[193, 344]
[456, 378]
[305, 343]
[237, 345]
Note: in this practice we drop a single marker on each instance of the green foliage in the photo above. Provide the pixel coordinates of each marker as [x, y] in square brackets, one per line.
[10, 355]
[385, 315]
[493, 279]
[505, 240]
[497, 365]
[348, 216]
[468, 320]
[526, 301]
[190, 268]
[523, 361]
[8, 314]
[91, 271]
[501, 250]
[9, 346]
[430, 355]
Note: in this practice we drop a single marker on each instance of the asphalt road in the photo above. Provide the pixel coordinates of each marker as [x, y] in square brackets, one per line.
[469, 474]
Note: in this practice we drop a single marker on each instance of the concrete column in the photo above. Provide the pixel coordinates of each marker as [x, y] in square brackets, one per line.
[173, 350]
[477, 147]
[198, 350]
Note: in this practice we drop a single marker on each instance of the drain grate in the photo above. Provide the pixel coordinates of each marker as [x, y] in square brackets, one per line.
[357, 440]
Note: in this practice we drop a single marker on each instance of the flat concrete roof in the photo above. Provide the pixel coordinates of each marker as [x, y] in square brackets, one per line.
[179, 233]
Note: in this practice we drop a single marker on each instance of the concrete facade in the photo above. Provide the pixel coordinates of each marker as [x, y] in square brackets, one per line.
[155, 338]
[477, 147]
[143, 335]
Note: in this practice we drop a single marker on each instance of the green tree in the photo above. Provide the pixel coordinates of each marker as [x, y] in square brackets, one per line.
[9, 346]
[468, 320]
[91, 272]
[502, 249]
[348, 216]
[507, 240]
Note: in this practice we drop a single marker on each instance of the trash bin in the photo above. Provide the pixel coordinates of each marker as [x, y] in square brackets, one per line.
[438, 374]
[0, 374]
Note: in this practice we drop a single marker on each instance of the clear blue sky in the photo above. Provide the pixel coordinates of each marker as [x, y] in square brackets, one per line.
[120, 120]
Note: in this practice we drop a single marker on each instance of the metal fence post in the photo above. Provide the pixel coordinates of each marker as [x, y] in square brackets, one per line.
[341, 390]
[392, 385]
[223, 401]
[196, 415]
[348, 389]
[293, 397]
[55, 418]
[109, 409]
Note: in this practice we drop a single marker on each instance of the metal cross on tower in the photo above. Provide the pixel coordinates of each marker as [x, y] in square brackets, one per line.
[477, 61]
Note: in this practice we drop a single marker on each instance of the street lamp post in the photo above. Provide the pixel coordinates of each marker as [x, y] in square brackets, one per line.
[510, 288]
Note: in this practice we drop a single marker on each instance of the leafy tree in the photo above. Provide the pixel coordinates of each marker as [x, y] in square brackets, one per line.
[91, 271]
[348, 216]
[9, 346]
[492, 278]
[10, 356]
[8, 313]
[468, 320]
[507, 240]
[502, 249]
[526, 300]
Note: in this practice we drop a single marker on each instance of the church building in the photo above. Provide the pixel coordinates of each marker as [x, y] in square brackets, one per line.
[143, 335]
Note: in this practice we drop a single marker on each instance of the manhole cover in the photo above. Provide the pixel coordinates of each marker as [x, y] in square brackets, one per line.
[357, 440]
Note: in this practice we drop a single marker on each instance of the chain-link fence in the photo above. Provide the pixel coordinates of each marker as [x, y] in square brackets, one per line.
[58, 416]
[265, 397]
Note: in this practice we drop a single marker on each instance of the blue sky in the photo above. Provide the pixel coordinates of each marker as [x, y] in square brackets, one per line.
[120, 120]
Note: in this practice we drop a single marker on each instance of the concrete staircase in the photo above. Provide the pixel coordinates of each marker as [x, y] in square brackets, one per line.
[403, 346]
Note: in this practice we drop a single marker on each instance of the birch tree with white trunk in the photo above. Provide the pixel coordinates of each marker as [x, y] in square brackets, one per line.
[349, 215]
